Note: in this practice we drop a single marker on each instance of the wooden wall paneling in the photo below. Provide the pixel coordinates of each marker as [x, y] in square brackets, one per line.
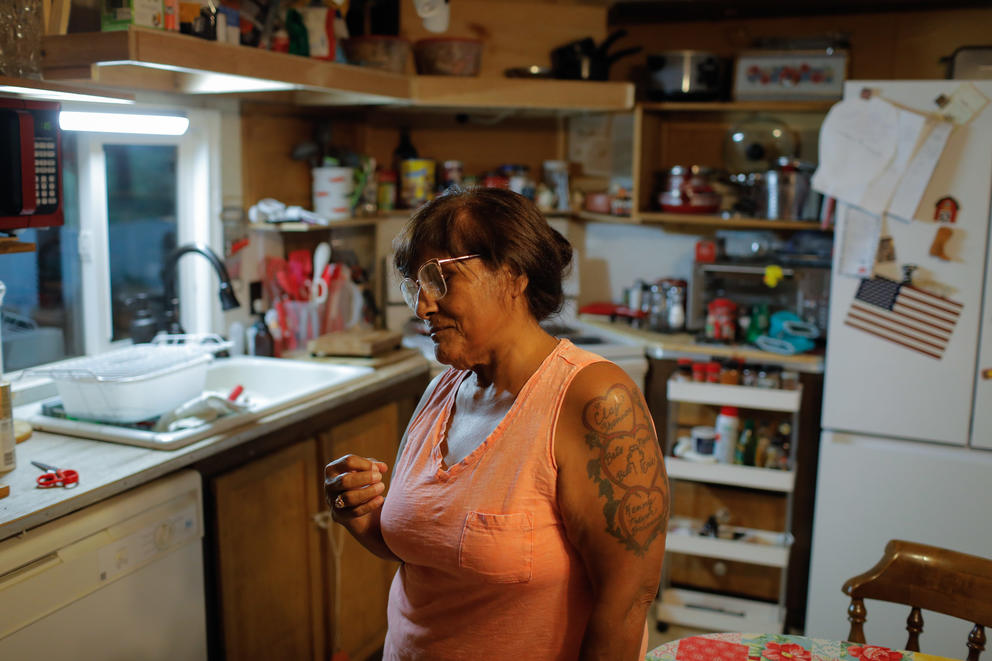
[483, 142]
[514, 34]
[268, 170]
[740, 579]
[749, 508]
[889, 45]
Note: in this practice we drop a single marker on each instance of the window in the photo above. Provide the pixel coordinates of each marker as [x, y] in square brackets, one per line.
[128, 201]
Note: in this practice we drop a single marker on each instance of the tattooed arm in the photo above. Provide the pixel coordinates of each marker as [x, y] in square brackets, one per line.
[613, 495]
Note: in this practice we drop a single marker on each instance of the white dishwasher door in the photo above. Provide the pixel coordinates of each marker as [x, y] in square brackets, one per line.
[121, 579]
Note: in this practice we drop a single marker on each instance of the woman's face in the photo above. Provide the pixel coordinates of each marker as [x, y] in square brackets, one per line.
[465, 324]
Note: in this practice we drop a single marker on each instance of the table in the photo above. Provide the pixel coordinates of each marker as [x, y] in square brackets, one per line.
[776, 647]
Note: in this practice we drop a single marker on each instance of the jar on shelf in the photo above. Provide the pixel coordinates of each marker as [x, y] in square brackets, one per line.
[688, 190]
[684, 372]
[699, 372]
[749, 376]
[713, 372]
[731, 373]
[790, 380]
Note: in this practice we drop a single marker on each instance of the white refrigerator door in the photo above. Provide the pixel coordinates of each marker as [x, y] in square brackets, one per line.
[871, 490]
[981, 427]
[912, 390]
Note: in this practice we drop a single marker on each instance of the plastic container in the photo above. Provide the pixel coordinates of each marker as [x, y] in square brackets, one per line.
[332, 189]
[132, 384]
[377, 52]
[448, 56]
[727, 433]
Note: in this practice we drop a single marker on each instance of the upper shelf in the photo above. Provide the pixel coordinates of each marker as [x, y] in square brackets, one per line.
[155, 60]
[739, 106]
[37, 90]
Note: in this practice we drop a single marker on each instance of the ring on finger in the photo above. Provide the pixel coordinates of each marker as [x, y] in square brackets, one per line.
[339, 502]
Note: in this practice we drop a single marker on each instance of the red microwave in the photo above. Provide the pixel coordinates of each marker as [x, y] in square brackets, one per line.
[30, 164]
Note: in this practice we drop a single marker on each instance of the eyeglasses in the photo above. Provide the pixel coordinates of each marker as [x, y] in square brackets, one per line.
[430, 278]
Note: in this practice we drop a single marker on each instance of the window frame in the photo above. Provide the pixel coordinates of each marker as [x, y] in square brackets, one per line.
[198, 208]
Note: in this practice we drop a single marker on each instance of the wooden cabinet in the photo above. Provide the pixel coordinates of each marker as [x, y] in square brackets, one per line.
[270, 569]
[289, 582]
[357, 581]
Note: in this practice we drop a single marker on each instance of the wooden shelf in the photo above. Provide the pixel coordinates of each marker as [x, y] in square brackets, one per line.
[295, 226]
[766, 479]
[591, 217]
[739, 106]
[745, 397]
[156, 60]
[718, 613]
[718, 222]
[771, 549]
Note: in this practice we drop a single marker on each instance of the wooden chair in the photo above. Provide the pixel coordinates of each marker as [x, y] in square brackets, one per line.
[925, 577]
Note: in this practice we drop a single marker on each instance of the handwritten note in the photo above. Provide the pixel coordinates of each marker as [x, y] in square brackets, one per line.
[859, 235]
[966, 102]
[909, 135]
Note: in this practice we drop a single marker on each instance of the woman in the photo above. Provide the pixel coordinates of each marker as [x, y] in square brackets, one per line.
[529, 499]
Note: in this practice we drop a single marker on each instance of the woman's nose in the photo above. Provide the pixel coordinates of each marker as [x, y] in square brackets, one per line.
[426, 304]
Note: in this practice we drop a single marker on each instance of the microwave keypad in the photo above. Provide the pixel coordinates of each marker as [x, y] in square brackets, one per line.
[45, 175]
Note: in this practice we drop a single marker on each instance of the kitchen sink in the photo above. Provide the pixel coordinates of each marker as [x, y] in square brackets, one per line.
[269, 385]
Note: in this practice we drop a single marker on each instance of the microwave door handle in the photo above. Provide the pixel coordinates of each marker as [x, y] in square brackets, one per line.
[29, 200]
[755, 270]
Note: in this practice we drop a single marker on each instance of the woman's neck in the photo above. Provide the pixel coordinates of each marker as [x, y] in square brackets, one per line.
[512, 361]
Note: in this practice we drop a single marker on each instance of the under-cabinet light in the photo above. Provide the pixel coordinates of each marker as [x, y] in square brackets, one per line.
[108, 122]
[59, 95]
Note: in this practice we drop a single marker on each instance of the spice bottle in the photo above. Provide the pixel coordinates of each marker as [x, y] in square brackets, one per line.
[8, 460]
[746, 437]
[684, 372]
[727, 429]
[713, 372]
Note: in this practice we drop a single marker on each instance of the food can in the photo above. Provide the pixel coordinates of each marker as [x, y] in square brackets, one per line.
[386, 194]
[417, 181]
[8, 461]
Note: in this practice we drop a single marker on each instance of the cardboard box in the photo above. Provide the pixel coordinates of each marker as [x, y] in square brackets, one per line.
[120, 14]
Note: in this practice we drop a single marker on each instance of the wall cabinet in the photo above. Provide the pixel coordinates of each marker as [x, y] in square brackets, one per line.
[288, 582]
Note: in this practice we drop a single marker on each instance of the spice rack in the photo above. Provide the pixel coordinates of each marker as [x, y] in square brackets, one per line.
[722, 612]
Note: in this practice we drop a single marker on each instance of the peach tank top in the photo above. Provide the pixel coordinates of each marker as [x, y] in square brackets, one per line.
[487, 571]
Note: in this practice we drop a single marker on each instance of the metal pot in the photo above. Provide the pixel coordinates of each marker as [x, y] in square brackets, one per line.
[784, 193]
[686, 74]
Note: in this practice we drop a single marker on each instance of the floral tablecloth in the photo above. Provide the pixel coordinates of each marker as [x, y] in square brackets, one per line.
[776, 647]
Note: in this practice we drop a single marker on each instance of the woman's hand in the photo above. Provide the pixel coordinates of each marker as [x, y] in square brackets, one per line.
[354, 488]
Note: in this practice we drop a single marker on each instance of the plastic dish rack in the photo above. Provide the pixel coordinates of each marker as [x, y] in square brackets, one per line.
[135, 383]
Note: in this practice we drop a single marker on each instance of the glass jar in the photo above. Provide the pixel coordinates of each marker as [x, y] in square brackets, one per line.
[699, 372]
[749, 376]
[790, 380]
[684, 372]
[713, 372]
[731, 373]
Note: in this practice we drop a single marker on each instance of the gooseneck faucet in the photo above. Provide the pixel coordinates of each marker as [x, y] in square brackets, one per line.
[227, 299]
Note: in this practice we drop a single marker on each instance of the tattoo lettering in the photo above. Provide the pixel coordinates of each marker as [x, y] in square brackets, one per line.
[627, 467]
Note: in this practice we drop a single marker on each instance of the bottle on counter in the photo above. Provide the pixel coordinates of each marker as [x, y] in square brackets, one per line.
[8, 442]
[727, 430]
[258, 339]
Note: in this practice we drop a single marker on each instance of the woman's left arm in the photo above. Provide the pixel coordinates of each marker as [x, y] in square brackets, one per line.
[613, 496]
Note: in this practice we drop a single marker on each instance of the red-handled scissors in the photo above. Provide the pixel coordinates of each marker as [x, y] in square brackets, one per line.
[56, 477]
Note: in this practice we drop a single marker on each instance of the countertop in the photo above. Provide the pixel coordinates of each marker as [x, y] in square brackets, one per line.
[679, 345]
[106, 469]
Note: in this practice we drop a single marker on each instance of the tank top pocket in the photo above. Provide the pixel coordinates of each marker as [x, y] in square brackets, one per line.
[499, 548]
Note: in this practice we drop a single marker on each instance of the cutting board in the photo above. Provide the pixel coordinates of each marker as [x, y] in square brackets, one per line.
[363, 342]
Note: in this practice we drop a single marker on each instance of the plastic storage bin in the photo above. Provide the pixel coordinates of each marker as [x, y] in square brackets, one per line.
[132, 384]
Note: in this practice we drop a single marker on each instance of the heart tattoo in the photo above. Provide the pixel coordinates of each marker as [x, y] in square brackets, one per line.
[627, 467]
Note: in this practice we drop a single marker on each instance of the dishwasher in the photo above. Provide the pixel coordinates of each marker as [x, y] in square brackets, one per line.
[120, 579]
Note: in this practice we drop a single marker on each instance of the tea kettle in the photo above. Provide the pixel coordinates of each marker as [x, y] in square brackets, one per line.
[584, 60]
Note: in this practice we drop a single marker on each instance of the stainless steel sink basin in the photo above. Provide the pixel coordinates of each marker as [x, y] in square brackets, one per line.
[270, 385]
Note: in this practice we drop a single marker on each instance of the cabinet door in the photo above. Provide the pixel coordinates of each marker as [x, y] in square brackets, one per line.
[358, 581]
[269, 556]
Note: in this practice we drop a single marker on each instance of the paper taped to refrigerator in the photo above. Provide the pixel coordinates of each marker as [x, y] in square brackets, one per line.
[859, 236]
[913, 183]
[858, 140]
[910, 130]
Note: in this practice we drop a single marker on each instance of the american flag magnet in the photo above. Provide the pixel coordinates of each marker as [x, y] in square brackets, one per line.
[903, 314]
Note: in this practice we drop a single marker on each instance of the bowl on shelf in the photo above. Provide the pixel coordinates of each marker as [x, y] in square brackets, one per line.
[448, 56]
[378, 52]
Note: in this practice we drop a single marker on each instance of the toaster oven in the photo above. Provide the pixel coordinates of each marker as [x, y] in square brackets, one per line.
[803, 289]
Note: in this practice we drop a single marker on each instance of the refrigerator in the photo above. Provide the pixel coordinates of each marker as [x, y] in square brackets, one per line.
[906, 442]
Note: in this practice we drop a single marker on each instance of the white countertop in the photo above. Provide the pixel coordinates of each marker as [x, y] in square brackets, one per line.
[106, 469]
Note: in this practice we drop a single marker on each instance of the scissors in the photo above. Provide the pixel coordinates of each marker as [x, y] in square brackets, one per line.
[56, 477]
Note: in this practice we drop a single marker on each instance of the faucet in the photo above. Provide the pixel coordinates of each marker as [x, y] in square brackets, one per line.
[227, 299]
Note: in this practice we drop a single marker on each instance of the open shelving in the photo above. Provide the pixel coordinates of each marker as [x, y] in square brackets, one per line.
[718, 612]
[142, 58]
[748, 477]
